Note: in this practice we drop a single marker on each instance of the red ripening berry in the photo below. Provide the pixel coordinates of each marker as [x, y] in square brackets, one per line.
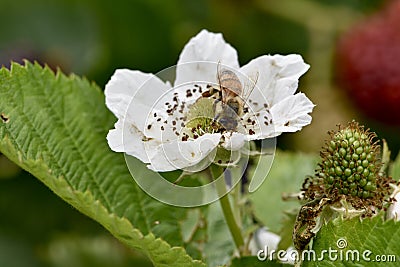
[368, 64]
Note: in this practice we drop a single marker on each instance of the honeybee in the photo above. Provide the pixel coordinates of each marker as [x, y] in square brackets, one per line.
[229, 105]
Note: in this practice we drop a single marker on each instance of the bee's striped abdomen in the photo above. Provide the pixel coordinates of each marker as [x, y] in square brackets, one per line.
[229, 80]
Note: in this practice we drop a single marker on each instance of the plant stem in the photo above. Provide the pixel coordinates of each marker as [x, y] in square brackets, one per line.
[228, 213]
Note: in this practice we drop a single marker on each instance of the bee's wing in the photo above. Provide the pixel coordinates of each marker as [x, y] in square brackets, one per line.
[249, 84]
[219, 80]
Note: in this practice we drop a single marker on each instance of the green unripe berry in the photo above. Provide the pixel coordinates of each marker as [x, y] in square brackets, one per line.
[370, 186]
[353, 186]
[342, 152]
[338, 171]
[371, 177]
[356, 144]
[345, 163]
[365, 163]
[345, 144]
[333, 145]
[365, 194]
[360, 169]
[328, 163]
[363, 155]
[352, 164]
[335, 163]
[371, 167]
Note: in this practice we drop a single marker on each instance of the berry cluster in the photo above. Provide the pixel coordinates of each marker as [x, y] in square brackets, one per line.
[350, 163]
[350, 170]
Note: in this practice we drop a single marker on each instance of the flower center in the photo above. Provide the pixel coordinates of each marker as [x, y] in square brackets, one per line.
[190, 113]
[200, 118]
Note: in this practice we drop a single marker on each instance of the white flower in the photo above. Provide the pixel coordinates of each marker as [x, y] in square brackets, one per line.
[169, 128]
[263, 239]
[394, 209]
[264, 244]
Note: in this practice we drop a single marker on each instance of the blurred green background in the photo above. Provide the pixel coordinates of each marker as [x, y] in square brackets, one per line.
[93, 38]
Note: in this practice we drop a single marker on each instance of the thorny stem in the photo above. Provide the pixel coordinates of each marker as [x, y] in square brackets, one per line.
[227, 210]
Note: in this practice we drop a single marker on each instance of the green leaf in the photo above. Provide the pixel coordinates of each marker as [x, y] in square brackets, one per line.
[194, 231]
[55, 127]
[255, 262]
[394, 170]
[286, 231]
[220, 245]
[286, 176]
[380, 238]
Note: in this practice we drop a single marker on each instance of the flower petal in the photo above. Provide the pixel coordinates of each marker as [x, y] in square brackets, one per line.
[162, 127]
[264, 239]
[179, 155]
[130, 93]
[127, 138]
[277, 77]
[204, 50]
[234, 141]
[291, 114]
[394, 209]
[263, 126]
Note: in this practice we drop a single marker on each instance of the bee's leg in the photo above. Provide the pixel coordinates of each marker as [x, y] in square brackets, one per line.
[217, 106]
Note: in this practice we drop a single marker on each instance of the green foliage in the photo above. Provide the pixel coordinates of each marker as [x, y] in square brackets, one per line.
[286, 231]
[219, 246]
[373, 234]
[254, 262]
[286, 176]
[54, 127]
[394, 170]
